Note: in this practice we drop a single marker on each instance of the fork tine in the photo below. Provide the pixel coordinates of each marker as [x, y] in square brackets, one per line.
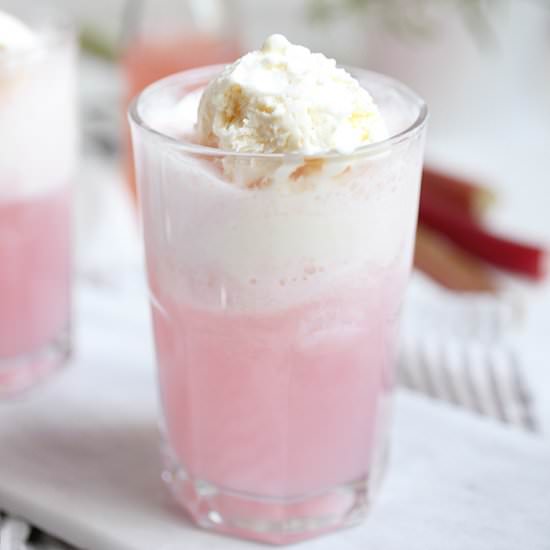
[448, 376]
[412, 374]
[426, 372]
[521, 392]
[490, 325]
[495, 389]
[476, 400]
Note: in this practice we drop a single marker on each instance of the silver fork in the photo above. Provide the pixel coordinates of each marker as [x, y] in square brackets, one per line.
[488, 381]
[471, 362]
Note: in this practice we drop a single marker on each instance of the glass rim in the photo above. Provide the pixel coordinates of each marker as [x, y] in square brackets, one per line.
[57, 30]
[199, 75]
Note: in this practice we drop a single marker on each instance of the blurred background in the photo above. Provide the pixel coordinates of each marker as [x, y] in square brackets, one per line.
[481, 65]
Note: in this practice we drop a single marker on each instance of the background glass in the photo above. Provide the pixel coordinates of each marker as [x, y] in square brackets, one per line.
[162, 37]
[38, 137]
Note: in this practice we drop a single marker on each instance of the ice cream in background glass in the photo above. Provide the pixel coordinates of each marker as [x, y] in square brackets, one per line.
[38, 143]
[279, 199]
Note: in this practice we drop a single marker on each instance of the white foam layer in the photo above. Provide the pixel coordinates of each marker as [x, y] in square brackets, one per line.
[219, 245]
[38, 126]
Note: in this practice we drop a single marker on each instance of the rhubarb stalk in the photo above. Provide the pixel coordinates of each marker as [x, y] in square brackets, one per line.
[439, 215]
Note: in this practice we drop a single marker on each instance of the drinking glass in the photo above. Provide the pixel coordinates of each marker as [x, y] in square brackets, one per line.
[38, 143]
[275, 308]
[162, 37]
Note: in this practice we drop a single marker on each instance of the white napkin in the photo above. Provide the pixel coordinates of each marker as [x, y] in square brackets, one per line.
[79, 459]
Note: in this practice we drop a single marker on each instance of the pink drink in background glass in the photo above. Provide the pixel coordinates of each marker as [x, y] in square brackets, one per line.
[35, 275]
[38, 140]
[150, 58]
[275, 316]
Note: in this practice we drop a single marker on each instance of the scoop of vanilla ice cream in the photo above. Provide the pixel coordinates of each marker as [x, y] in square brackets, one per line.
[14, 34]
[285, 99]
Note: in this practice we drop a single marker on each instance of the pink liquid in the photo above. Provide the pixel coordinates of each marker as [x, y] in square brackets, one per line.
[34, 272]
[277, 404]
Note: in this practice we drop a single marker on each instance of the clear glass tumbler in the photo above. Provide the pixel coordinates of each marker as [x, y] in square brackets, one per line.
[276, 308]
[38, 144]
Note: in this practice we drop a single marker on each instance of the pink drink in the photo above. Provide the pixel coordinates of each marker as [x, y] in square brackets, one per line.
[35, 275]
[38, 143]
[278, 404]
[275, 315]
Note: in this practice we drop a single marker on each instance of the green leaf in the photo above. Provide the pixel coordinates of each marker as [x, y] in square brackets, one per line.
[93, 42]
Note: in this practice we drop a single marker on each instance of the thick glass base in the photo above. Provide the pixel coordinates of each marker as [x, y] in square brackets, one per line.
[24, 372]
[268, 519]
